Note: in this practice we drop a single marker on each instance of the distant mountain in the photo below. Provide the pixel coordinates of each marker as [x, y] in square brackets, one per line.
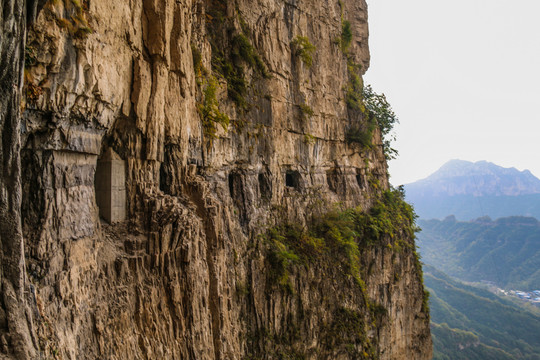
[482, 178]
[471, 190]
[471, 323]
[468, 322]
[505, 251]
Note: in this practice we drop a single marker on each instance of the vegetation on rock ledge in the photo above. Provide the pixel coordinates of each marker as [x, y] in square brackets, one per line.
[374, 108]
[335, 244]
[232, 70]
[376, 113]
[339, 234]
[306, 111]
[72, 16]
[304, 49]
[209, 110]
[346, 35]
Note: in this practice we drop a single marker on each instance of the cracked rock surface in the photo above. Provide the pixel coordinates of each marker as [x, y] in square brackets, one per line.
[187, 274]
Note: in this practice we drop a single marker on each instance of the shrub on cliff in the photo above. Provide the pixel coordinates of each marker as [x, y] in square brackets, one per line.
[377, 105]
[210, 113]
[304, 49]
[339, 235]
[377, 112]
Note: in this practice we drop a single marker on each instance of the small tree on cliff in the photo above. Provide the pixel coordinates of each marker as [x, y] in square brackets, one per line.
[381, 110]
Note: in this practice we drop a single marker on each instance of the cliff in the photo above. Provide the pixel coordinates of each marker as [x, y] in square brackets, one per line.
[212, 137]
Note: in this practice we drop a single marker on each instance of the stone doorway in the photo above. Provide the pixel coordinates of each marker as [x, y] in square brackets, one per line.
[110, 183]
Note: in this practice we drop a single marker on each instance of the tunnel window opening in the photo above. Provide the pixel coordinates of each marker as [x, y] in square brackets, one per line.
[110, 186]
[163, 183]
[292, 179]
[231, 184]
[360, 179]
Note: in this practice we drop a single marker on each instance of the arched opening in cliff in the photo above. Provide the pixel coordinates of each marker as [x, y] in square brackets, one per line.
[293, 179]
[110, 186]
[360, 179]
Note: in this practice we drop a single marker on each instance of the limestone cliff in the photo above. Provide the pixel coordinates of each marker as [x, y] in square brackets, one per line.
[214, 135]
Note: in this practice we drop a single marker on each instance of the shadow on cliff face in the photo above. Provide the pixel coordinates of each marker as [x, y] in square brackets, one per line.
[237, 191]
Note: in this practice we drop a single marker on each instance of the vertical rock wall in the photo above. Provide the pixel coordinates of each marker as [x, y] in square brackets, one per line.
[17, 336]
[225, 133]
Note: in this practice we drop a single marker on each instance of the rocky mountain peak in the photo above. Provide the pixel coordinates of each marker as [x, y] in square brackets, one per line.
[459, 177]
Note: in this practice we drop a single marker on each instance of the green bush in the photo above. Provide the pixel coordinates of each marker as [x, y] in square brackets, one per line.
[209, 111]
[306, 111]
[309, 139]
[346, 35]
[361, 135]
[197, 59]
[347, 330]
[355, 87]
[280, 257]
[234, 75]
[304, 49]
[232, 70]
[335, 243]
[242, 49]
[374, 107]
[340, 233]
[377, 112]
[378, 108]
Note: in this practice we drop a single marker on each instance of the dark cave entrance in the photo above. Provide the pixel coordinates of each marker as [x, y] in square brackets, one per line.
[293, 179]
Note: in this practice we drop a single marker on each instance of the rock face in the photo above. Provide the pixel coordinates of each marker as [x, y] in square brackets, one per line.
[225, 132]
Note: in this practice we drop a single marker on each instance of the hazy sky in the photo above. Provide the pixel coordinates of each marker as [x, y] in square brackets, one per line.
[463, 76]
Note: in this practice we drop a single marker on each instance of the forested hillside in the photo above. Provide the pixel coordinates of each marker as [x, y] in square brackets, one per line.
[471, 323]
[505, 251]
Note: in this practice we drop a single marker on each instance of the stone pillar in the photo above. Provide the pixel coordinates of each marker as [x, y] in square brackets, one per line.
[110, 187]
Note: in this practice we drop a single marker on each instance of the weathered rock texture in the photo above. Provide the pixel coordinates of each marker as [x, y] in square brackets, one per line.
[187, 275]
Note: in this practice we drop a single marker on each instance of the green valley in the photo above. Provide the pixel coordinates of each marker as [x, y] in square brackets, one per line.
[472, 323]
[505, 251]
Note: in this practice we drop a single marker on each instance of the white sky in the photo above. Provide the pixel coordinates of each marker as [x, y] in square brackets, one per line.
[463, 77]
